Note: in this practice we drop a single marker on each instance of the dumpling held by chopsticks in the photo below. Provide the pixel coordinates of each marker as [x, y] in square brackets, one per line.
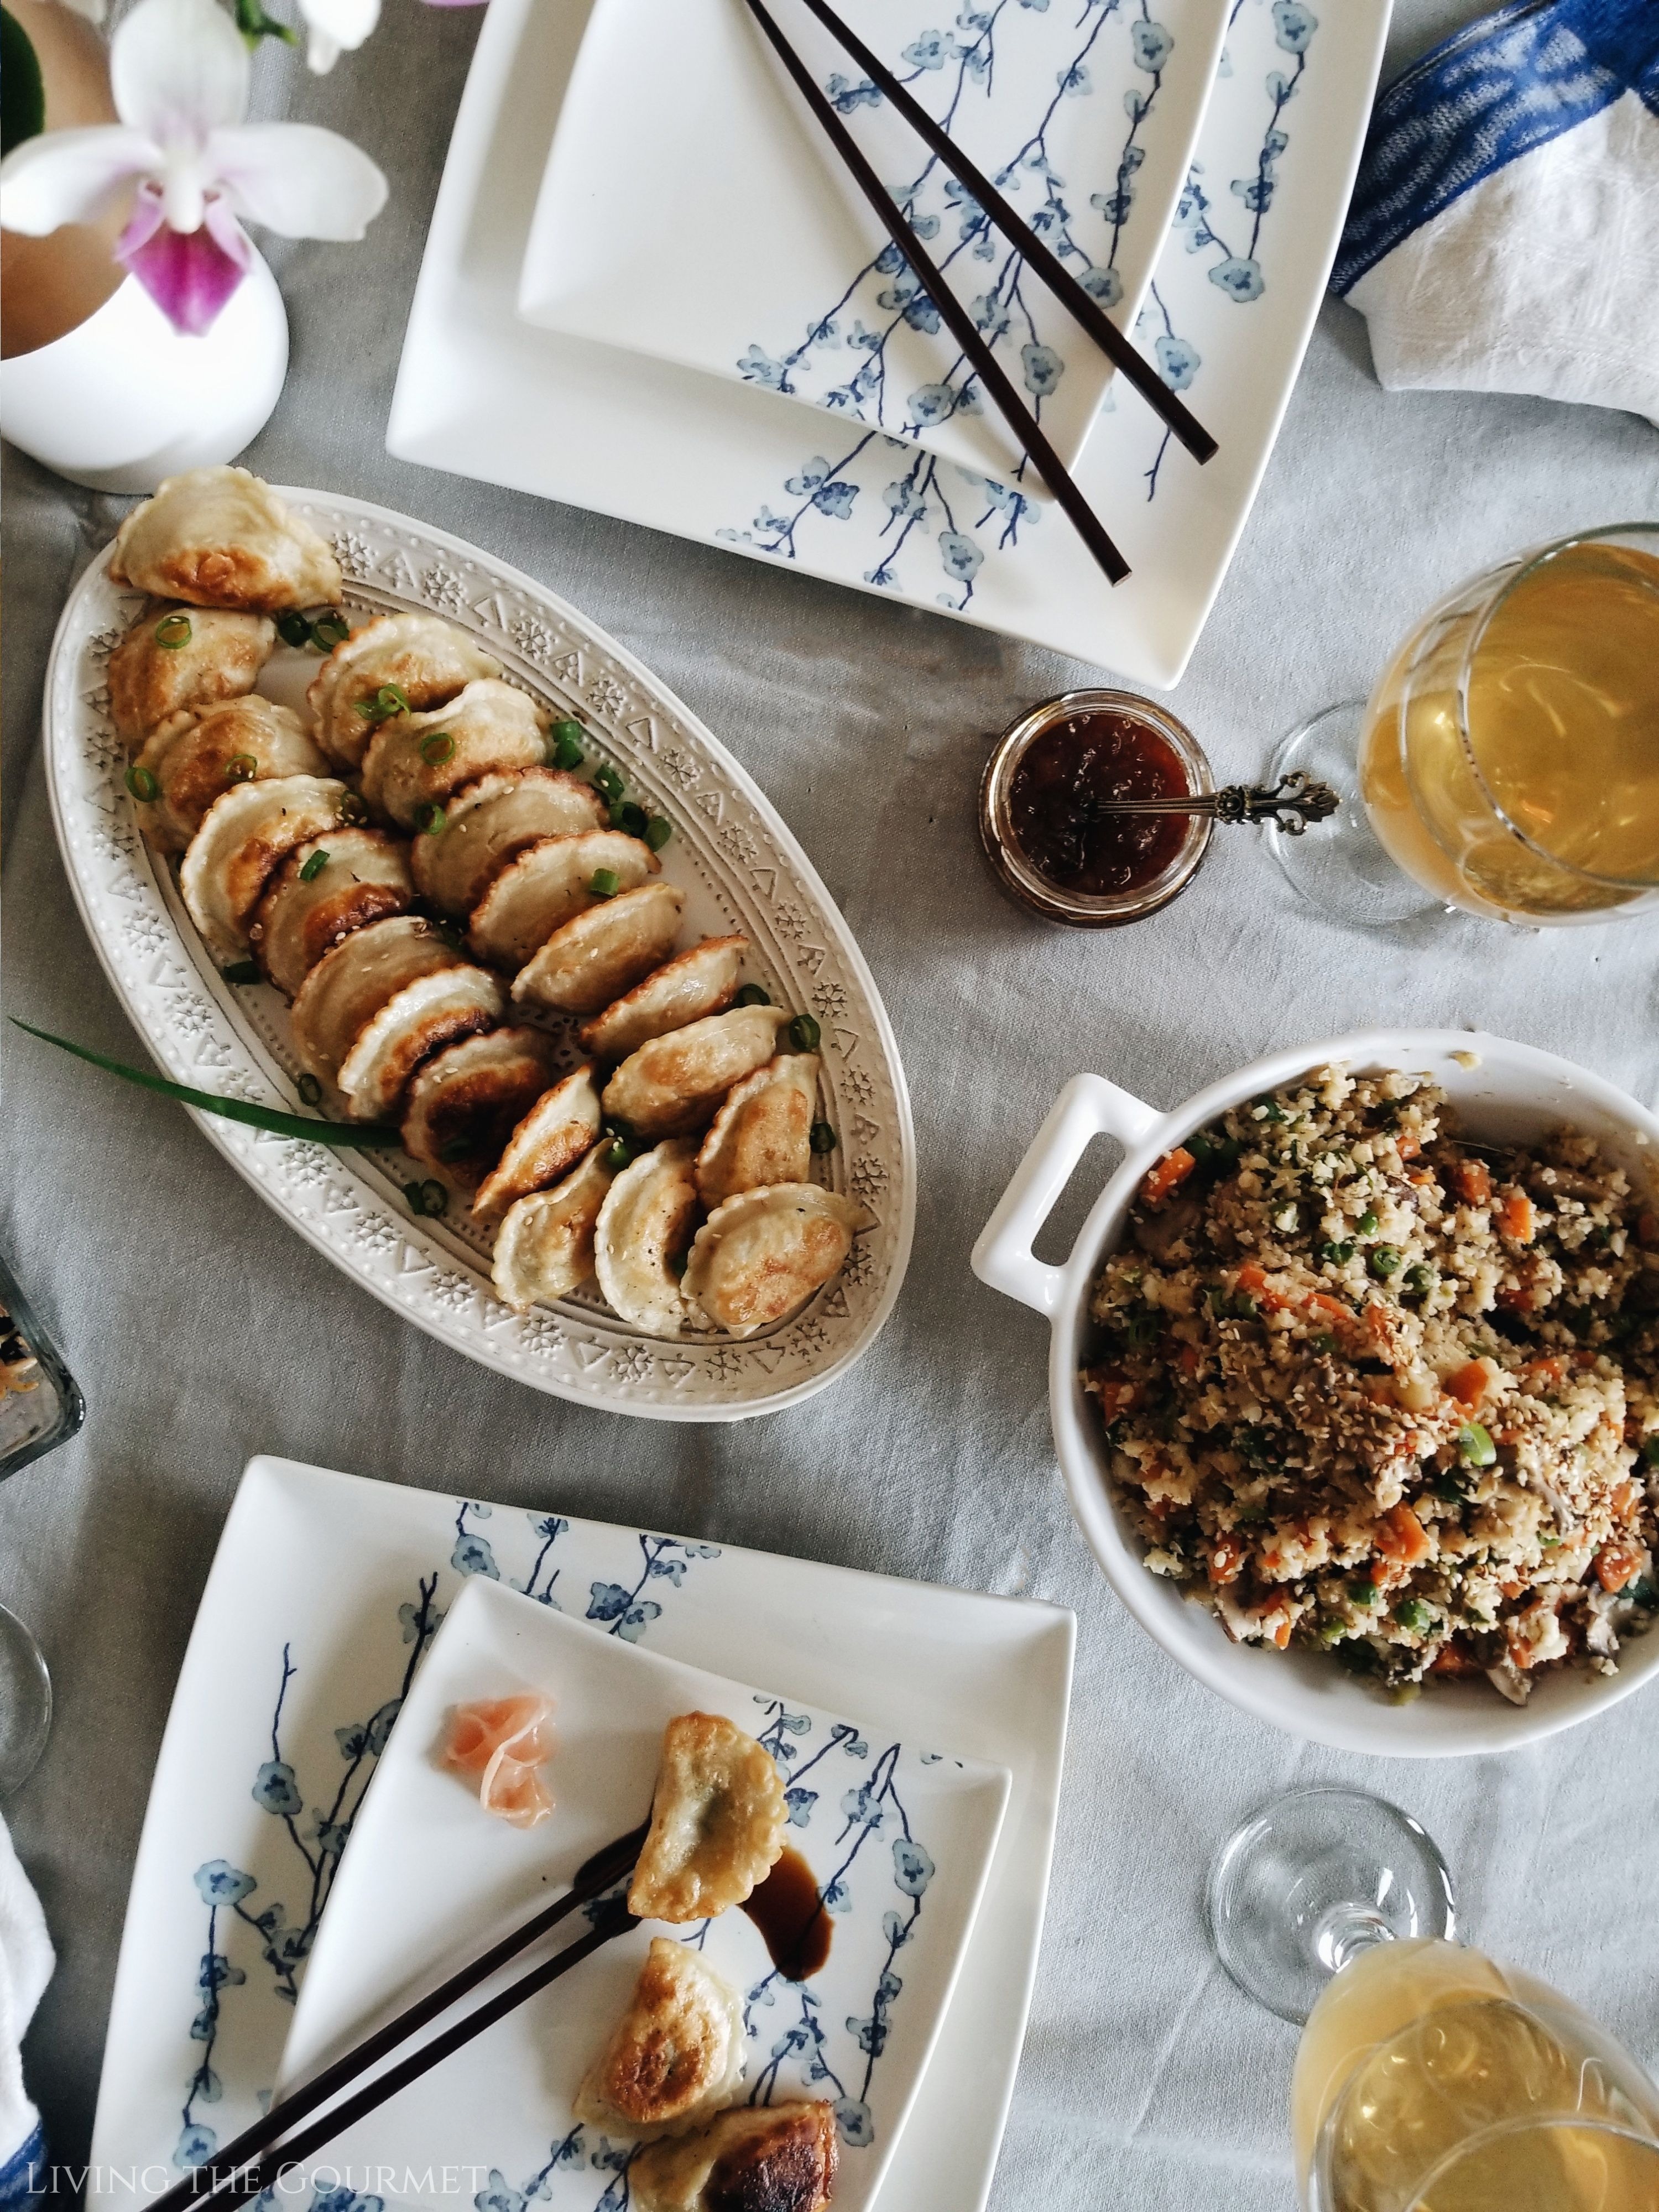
[717, 1822]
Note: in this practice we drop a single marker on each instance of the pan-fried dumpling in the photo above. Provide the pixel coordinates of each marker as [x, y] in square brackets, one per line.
[195, 761]
[201, 657]
[433, 1010]
[428, 659]
[492, 821]
[676, 1082]
[753, 2158]
[762, 1253]
[763, 1133]
[717, 1821]
[245, 834]
[221, 537]
[676, 2056]
[686, 989]
[349, 985]
[544, 1247]
[547, 1144]
[600, 951]
[546, 884]
[417, 760]
[326, 888]
[468, 1099]
[645, 1227]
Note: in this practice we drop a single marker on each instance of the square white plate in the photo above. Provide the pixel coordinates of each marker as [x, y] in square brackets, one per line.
[1232, 301]
[324, 1595]
[900, 1840]
[692, 207]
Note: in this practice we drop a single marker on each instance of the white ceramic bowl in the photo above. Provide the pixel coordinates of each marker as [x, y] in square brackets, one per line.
[1512, 1094]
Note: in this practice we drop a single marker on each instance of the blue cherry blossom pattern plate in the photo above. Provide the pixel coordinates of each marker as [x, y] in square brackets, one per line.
[693, 209]
[899, 1839]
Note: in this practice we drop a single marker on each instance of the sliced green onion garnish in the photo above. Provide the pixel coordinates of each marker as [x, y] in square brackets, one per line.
[752, 996]
[605, 778]
[618, 1152]
[241, 768]
[357, 1135]
[566, 739]
[142, 783]
[241, 971]
[823, 1138]
[1475, 1446]
[657, 831]
[387, 701]
[604, 882]
[627, 815]
[293, 628]
[351, 810]
[310, 1090]
[433, 1197]
[430, 819]
[804, 1033]
[314, 866]
[173, 631]
[679, 1262]
[330, 630]
[437, 749]
[456, 1149]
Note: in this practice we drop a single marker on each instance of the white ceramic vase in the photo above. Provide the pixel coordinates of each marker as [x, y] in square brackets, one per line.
[124, 399]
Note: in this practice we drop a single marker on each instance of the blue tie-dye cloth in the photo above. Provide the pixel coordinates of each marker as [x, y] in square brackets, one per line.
[1501, 234]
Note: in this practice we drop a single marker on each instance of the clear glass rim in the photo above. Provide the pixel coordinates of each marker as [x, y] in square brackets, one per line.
[1528, 567]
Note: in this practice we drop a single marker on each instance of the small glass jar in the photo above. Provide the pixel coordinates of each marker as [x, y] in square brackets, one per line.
[41, 1405]
[1019, 874]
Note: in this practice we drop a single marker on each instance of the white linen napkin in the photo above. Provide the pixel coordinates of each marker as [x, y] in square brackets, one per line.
[1503, 234]
[26, 1964]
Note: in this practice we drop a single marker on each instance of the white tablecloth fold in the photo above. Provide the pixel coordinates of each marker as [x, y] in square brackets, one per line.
[26, 1964]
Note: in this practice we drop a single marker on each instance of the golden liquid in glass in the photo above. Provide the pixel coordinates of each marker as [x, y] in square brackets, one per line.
[1537, 793]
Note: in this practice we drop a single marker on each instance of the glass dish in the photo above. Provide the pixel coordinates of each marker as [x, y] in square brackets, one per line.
[41, 1406]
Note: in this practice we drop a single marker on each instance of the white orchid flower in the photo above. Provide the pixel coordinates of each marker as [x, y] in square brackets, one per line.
[335, 26]
[180, 75]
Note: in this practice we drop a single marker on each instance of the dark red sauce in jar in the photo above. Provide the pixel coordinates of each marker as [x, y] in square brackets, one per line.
[1059, 804]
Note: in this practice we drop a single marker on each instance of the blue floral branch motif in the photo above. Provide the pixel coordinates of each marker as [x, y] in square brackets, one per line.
[284, 1946]
[549, 1527]
[629, 1613]
[473, 1554]
[571, 2153]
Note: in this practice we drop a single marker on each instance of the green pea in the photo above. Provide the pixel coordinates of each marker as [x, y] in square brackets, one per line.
[1367, 1222]
[1475, 1446]
[805, 1033]
[1382, 1259]
[1419, 1279]
[1324, 1341]
[1413, 1615]
[657, 831]
[752, 996]
[1336, 1254]
[823, 1137]
[618, 1154]
[1363, 1594]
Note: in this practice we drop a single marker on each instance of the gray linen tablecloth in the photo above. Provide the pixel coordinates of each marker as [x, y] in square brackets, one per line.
[204, 1330]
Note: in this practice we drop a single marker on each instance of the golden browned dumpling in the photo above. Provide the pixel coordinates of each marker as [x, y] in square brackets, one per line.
[644, 1233]
[245, 835]
[763, 1133]
[466, 1101]
[676, 2056]
[190, 761]
[717, 1821]
[433, 1010]
[688, 988]
[221, 537]
[326, 888]
[492, 821]
[422, 656]
[764, 1252]
[181, 660]
[547, 1144]
[757, 2158]
[676, 1082]
[416, 761]
[549, 882]
[544, 1247]
[349, 985]
[601, 951]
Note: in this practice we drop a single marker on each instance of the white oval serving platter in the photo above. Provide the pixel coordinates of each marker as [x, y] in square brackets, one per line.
[731, 854]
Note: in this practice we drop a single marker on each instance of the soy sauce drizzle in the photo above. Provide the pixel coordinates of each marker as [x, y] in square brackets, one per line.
[789, 1912]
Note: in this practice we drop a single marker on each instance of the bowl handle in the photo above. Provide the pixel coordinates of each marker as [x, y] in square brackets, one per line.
[1088, 1107]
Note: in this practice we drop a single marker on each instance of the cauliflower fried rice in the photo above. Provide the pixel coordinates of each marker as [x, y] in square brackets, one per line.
[1372, 1389]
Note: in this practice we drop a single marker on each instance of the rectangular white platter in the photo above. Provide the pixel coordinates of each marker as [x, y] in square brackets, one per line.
[731, 854]
[767, 266]
[324, 1595]
[899, 1838]
[1230, 309]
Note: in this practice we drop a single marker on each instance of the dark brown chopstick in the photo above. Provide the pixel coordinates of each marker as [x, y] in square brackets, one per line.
[1112, 342]
[213, 2182]
[1021, 420]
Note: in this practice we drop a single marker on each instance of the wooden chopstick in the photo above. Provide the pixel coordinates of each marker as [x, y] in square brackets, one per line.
[209, 2184]
[1019, 417]
[1112, 342]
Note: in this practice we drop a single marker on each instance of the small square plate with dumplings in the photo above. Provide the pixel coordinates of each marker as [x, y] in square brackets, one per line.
[896, 1838]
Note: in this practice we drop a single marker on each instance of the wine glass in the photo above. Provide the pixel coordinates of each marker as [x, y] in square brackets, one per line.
[25, 1704]
[1506, 762]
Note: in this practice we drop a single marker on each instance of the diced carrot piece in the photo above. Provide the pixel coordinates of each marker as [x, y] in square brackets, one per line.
[1625, 1500]
[1251, 1279]
[1281, 1634]
[1647, 1229]
[1516, 1218]
[1226, 1560]
[1512, 1588]
[1407, 1146]
[1173, 1169]
[1116, 1392]
[1186, 1359]
[1401, 1535]
[1618, 1563]
[1545, 1374]
[1471, 1384]
[1333, 1307]
[1520, 1649]
[1453, 1658]
[1474, 1180]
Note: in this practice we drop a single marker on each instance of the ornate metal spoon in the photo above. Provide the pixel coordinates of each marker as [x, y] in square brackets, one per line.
[1292, 803]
